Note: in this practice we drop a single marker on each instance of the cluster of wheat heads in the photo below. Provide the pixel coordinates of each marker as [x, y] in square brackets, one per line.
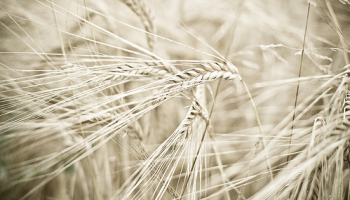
[152, 99]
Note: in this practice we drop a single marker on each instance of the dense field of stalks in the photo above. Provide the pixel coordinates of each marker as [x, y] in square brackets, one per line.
[174, 99]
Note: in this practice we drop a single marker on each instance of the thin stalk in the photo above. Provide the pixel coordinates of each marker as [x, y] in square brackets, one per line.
[235, 23]
[297, 92]
[261, 138]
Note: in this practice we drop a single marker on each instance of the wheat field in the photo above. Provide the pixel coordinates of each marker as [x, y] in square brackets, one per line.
[175, 99]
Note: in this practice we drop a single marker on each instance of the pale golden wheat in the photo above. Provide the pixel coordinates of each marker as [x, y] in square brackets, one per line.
[221, 100]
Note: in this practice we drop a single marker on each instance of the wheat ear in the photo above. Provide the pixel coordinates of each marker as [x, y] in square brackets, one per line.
[144, 10]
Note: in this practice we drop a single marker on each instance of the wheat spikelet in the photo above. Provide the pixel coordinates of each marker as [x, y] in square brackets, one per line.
[320, 176]
[173, 145]
[139, 148]
[338, 98]
[143, 9]
[325, 154]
